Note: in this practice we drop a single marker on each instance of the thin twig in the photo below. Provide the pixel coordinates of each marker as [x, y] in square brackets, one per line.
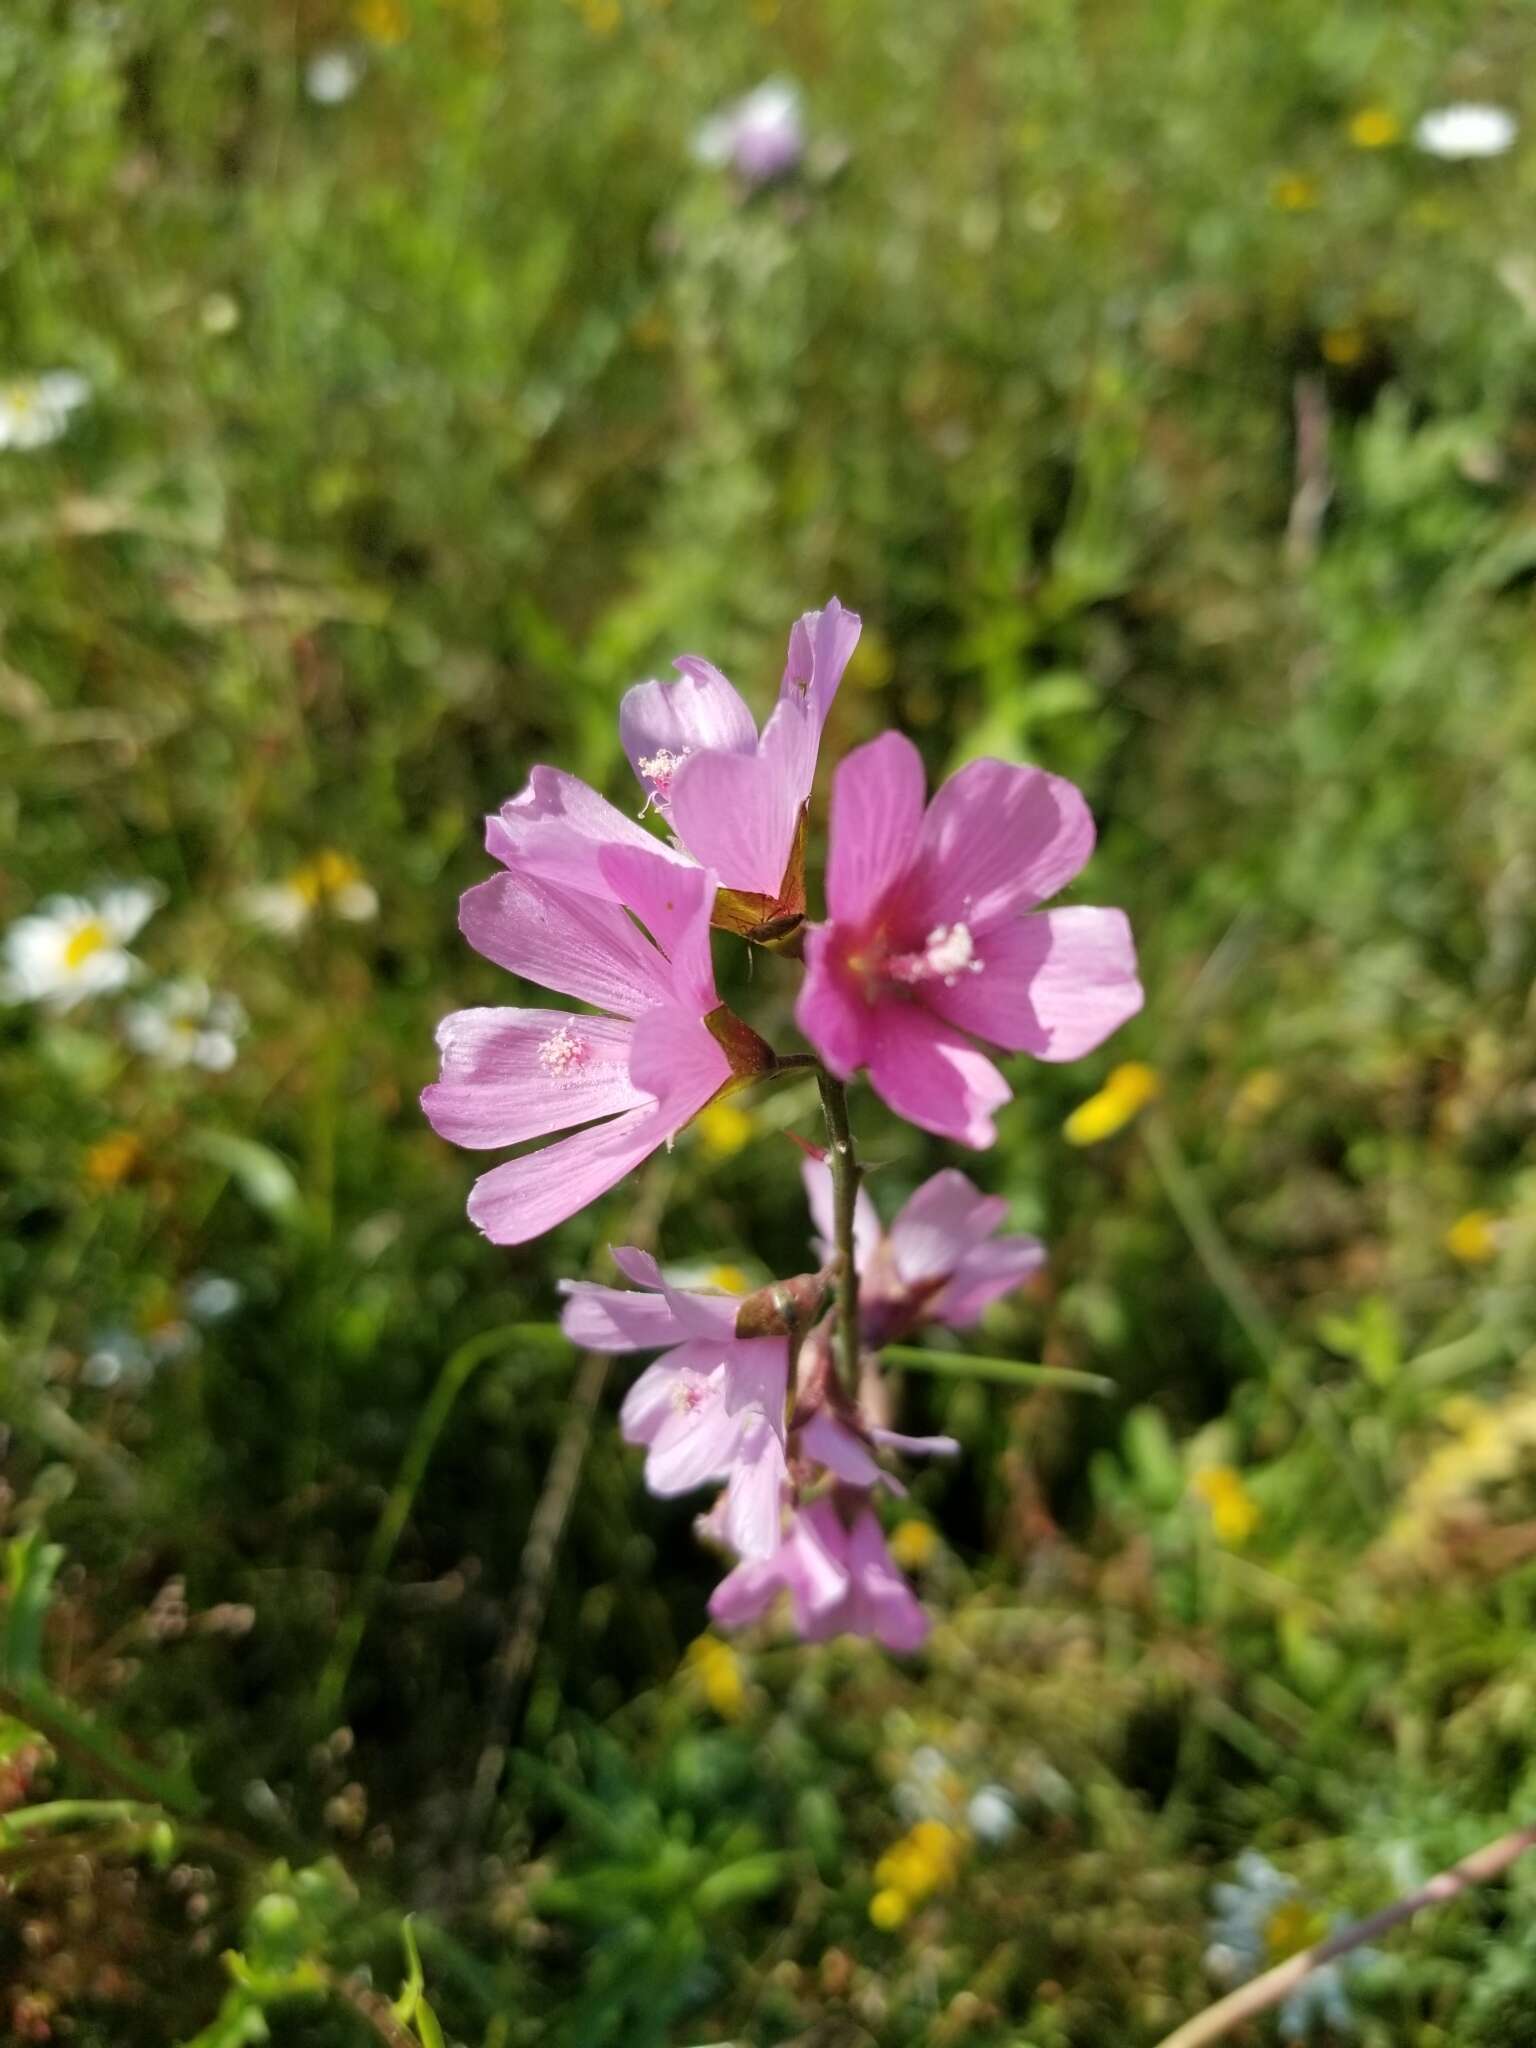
[844, 1165]
[1276, 1985]
[962, 1365]
[1314, 476]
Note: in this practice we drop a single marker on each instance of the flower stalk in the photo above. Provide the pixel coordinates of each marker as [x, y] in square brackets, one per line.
[843, 1163]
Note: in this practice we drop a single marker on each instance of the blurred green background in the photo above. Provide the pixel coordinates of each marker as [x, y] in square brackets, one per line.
[1170, 417]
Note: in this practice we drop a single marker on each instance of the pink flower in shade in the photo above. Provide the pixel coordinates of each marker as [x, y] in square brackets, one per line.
[734, 798]
[646, 1067]
[839, 1578]
[933, 936]
[940, 1261]
[710, 1409]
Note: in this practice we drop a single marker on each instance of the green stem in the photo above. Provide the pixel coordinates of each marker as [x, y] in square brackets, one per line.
[451, 1381]
[1011, 1372]
[844, 1164]
[1211, 1248]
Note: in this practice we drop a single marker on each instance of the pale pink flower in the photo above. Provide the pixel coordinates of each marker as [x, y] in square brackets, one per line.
[734, 798]
[941, 1260]
[710, 1409]
[839, 1578]
[761, 137]
[646, 1067]
[928, 941]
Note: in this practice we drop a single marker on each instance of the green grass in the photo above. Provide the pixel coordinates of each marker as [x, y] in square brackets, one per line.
[421, 427]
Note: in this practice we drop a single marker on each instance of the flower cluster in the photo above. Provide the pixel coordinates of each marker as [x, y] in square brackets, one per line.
[935, 946]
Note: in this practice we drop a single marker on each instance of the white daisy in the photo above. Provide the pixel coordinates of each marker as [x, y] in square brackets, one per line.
[1266, 1918]
[185, 1024]
[990, 1814]
[332, 883]
[36, 410]
[1468, 129]
[72, 947]
[332, 76]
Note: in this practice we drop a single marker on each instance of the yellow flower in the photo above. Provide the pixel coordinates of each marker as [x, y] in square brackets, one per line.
[382, 21]
[912, 1544]
[888, 1908]
[1343, 346]
[723, 1128]
[1374, 128]
[1291, 1927]
[1234, 1511]
[925, 1861]
[717, 1668]
[1122, 1098]
[1473, 1239]
[728, 1279]
[1260, 1092]
[112, 1158]
[1293, 193]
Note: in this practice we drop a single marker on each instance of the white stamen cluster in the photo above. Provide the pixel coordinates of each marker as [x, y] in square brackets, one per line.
[948, 952]
[563, 1052]
[659, 769]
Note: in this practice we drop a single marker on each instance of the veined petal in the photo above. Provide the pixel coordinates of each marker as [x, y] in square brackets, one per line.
[883, 1604]
[638, 1267]
[831, 1009]
[674, 905]
[817, 1177]
[820, 647]
[986, 1273]
[616, 1318]
[938, 1224]
[754, 1494]
[527, 1196]
[757, 1376]
[933, 1076]
[832, 1444]
[674, 1057]
[556, 829]
[578, 945]
[661, 724]
[514, 1074]
[1055, 984]
[649, 1402]
[737, 813]
[877, 816]
[696, 1443]
[997, 838]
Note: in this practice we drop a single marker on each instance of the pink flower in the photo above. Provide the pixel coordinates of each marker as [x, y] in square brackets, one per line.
[839, 1578]
[646, 1067]
[940, 1261]
[710, 1409]
[735, 799]
[927, 939]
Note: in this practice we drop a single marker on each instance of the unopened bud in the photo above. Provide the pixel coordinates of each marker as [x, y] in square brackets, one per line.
[784, 1309]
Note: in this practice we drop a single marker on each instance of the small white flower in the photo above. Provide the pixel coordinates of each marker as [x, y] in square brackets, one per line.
[1468, 129]
[1264, 1919]
[331, 882]
[185, 1024]
[117, 1357]
[72, 947]
[332, 76]
[990, 1815]
[210, 1297]
[760, 137]
[36, 410]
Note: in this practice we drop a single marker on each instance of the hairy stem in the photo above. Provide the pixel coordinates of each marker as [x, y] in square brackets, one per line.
[1276, 1985]
[843, 1161]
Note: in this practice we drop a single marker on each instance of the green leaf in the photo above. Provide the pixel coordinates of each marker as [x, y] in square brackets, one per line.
[31, 1565]
[263, 1176]
[1011, 1372]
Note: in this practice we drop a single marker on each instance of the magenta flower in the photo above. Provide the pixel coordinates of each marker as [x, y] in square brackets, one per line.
[839, 1578]
[710, 1409]
[940, 1261]
[645, 1067]
[760, 137]
[558, 828]
[929, 940]
[735, 799]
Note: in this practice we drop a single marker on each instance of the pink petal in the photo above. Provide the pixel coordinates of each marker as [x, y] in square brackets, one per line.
[514, 1074]
[757, 1376]
[883, 1604]
[527, 1196]
[674, 904]
[820, 647]
[692, 1448]
[616, 1318]
[755, 1492]
[938, 1224]
[986, 1274]
[817, 1176]
[676, 1058]
[638, 1267]
[834, 1445]
[709, 1317]
[931, 1075]
[703, 710]
[578, 945]
[916, 1446]
[1054, 985]
[815, 1563]
[997, 838]
[649, 1402]
[831, 1009]
[746, 1594]
[877, 815]
[738, 813]
[556, 828]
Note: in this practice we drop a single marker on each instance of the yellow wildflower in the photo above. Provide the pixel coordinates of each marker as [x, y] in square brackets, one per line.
[1294, 1925]
[1293, 193]
[723, 1128]
[925, 1861]
[1122, 1098]
[888, 1908]
[1234, 1511]
[729, 1279]
[385, 22]
[1374, 128]
[1343, 346]
[717, 1668]
[1259, 1093]
[1473, 1239]
[912, 1544]
[112, 1159]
